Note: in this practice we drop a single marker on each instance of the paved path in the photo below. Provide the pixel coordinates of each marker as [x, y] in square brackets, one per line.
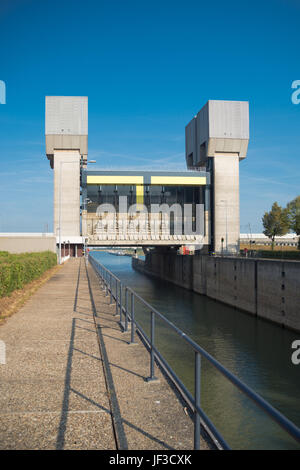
[71, 381]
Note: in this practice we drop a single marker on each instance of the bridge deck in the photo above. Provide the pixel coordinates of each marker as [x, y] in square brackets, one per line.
[71, 381]
[133, 240]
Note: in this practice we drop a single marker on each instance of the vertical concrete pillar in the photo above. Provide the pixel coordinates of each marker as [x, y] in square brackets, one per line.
[66, 165]
[66, 131]
[217, 139]
[226, 203]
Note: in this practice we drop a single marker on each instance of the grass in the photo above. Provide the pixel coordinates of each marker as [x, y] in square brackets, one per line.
[256, 247]
[12, 303]
[279, 252]
[17, 270]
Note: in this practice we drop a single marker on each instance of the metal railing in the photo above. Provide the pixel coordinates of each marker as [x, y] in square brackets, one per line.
[126, 310]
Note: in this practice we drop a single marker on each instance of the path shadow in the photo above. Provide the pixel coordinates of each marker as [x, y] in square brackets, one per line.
[117, 421]
[116, 413]
[73, 347]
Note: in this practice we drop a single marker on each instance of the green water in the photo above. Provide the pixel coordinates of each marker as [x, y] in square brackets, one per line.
[257, 352]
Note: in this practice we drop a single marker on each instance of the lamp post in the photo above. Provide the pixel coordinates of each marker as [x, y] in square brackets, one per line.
[85, 202]
[250, 234]
[225, 201]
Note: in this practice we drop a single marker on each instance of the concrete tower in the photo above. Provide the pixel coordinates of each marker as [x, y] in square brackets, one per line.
[217, 139]
[67, 148]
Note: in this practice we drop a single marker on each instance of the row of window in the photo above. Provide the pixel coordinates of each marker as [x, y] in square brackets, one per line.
[149, 195]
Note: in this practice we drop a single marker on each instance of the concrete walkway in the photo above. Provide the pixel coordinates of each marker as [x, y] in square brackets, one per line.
[71, 381]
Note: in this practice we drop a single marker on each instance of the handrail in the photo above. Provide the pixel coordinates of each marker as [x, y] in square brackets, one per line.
[106, 277]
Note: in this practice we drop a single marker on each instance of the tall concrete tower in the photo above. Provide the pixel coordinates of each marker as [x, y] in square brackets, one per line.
[67, 148]
[217, 139]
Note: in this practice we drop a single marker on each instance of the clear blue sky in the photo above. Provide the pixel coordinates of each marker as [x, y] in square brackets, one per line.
[147, 68]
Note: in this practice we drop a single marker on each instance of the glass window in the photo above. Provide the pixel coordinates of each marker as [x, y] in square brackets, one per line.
[109, 194]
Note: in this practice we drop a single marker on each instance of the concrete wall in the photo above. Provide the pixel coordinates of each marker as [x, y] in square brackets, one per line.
[169, 266]
[27, 243]
[278, 293]
[67, 192]
[226, 204]
[267, 288]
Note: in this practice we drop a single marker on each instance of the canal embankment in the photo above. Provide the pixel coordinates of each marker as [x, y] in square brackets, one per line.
[269, 289]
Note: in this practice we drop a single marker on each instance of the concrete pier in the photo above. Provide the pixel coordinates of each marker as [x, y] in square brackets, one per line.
[71, 381]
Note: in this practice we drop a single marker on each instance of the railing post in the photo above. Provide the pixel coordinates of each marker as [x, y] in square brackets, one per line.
[106, 284]
[110, 288]
[197, 429]
[132, 320]
[120, 302]
[116, 297]
[152, 337]
[126, 310]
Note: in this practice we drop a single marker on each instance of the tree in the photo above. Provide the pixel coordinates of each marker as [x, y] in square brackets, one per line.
[276, 222]
[293, 211]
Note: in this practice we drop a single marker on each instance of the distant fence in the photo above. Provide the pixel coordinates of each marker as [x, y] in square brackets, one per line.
[270, 254]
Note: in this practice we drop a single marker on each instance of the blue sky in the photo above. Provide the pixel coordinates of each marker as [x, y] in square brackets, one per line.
[147, 68]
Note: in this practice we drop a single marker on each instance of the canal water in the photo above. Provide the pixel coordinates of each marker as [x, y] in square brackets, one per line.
[257, 352]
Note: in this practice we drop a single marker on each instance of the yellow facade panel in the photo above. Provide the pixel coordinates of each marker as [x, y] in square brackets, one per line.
[178, 180]
[140, 194]
[114, 179]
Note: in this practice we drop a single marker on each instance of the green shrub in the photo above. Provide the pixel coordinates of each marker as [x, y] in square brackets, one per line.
[18, 270]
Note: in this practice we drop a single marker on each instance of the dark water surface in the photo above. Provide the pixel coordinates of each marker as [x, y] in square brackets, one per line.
[258, 352]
